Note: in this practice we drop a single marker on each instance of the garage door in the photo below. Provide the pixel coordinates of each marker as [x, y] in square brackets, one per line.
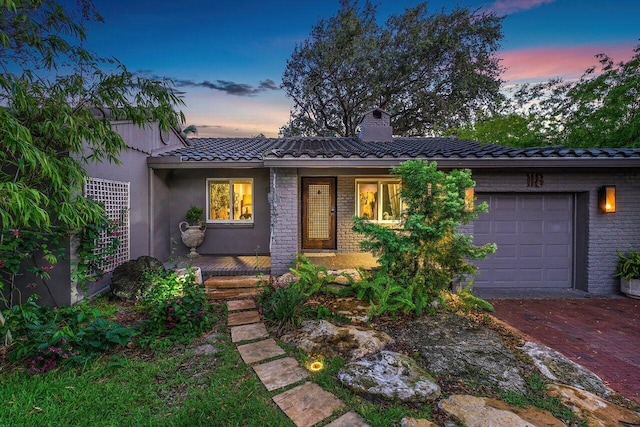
[534, 234]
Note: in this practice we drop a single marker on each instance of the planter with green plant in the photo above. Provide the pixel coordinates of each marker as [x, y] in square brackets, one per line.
[192, 230]
[629, 273]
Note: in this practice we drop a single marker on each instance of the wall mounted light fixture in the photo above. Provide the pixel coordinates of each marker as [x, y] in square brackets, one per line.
[607, 199]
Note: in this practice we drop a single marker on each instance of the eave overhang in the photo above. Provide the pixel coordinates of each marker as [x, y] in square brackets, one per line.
[455, 162]
[172, 162]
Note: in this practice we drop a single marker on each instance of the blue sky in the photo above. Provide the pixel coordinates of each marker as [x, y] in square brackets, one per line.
[229, 56]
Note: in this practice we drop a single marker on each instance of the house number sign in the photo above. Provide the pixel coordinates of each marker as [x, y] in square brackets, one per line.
[535, 180]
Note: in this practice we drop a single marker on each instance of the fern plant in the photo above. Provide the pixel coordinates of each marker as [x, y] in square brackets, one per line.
[629, 265]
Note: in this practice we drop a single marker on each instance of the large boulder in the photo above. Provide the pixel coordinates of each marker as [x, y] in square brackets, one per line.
[452, 345]
[127, 280]
[390, 376]
[350, 342]
[558, 368]
[597, 411]
[481, 411]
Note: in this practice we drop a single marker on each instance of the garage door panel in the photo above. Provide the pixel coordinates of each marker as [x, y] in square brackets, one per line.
[530, 204]
[534, 234]
[531, 226]
[506, 227]
[531, 251]
[557, 226]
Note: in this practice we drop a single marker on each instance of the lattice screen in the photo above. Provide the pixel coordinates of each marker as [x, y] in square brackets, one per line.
[115, 197]
[319, 205]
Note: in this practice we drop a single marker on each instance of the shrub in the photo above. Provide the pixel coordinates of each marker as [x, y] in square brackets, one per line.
[47, 338]
[427, 251]
[177, 307]
[285, 307]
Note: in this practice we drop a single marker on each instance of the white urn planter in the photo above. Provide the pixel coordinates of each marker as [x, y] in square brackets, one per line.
[192, 237]
[630, 287]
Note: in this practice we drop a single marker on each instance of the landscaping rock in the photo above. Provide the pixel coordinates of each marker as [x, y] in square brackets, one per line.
[453, 345]
[391, 376]
[350, 342]
[285, 280]
[480, 412]
[559, 368]
[127, 279]
[597, 411]
[416, 422]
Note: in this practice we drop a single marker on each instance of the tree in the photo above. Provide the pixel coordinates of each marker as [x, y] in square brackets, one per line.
[428, 251]
[510, 129]
[601, 109]
[58, 100]
[430, 72]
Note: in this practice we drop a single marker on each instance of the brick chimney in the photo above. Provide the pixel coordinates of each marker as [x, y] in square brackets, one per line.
[375, 126]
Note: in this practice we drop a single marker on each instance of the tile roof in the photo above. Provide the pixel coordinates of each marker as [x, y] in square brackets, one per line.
[258, 149]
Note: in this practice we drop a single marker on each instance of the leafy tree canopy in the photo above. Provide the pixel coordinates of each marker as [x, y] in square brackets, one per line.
[429, 71]
[57, 101]
[601, 109]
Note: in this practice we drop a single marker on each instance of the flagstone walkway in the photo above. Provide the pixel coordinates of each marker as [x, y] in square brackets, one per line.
[305, 403]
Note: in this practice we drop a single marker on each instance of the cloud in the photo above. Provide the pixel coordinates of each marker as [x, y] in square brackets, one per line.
[568, 62]
[231, 88]
[505, 7]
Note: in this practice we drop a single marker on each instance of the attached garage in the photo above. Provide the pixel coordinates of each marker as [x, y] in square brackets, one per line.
[535, 238]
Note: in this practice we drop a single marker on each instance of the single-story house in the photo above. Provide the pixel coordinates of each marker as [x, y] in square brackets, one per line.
[284, 196]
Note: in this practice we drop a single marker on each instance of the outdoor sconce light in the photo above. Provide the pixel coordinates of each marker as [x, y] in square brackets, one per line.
[607, 199]
[469, 196]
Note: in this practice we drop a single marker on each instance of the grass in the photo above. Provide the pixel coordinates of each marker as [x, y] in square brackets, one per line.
[172, 387]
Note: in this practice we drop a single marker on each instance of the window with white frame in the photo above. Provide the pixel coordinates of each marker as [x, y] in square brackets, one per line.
[230, 200]
[378, 200]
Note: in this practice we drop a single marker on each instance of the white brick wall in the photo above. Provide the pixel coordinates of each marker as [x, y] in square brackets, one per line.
[284, 219]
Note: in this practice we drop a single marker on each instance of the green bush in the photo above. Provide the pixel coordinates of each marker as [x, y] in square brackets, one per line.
[177, 307]
[285, 307]
[48, 338]
[427, 251]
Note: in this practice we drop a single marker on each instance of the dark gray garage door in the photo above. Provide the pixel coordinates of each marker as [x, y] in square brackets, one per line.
[534, 234]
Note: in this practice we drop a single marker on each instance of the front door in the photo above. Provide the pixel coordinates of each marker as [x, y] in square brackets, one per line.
[318, 213]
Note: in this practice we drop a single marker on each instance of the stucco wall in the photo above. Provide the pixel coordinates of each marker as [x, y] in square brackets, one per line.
[188, 187]
[161, 215]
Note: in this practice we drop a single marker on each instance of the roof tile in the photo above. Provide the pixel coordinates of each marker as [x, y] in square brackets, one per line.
[258, 149]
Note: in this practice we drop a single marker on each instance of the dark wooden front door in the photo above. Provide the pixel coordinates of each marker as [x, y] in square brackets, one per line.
[318, 213]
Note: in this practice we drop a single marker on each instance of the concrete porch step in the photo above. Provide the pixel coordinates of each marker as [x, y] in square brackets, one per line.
[233, 287]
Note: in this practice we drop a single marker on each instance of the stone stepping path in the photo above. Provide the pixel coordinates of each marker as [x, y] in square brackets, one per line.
[307, 404]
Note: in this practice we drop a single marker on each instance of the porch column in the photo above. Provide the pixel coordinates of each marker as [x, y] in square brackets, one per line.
[283, 197]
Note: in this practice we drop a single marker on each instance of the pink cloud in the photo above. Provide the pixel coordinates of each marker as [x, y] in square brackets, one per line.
[539, 64]
[505, 7]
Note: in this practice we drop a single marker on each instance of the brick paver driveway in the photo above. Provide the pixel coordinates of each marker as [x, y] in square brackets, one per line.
[600, 334]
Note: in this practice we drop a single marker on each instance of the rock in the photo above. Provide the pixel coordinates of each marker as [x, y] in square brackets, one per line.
[127, 280]
[453, 345]
[285, 280]
[350, 342]
[559, 368]
[416, 422]
[205, 349]
[182, 273]
[346, 276]
[391, 376]
[480, 412]
[596, 410]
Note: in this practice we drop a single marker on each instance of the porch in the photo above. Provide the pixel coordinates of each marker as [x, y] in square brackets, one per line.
[252, 265]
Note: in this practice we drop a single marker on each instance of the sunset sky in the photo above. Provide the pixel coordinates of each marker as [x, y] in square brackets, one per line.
[228, 56]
